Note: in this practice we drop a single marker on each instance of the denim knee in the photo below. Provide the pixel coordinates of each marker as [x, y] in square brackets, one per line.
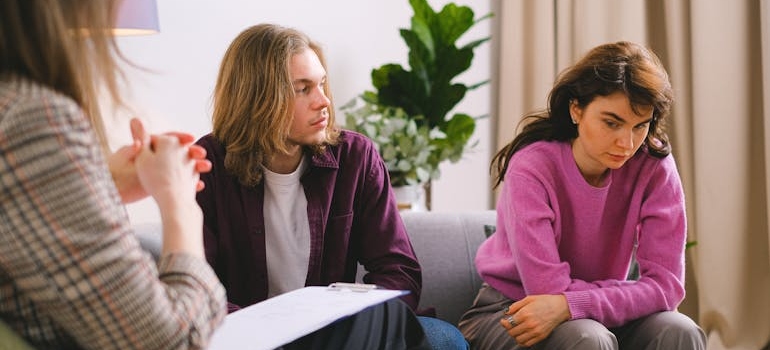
[442, 335]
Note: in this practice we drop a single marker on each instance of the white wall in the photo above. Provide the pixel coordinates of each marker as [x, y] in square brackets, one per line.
[357, 35]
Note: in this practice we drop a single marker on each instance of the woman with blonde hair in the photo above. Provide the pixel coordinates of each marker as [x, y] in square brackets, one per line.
[72, 273]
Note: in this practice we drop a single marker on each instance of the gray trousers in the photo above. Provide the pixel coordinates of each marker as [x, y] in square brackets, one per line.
[663, 330]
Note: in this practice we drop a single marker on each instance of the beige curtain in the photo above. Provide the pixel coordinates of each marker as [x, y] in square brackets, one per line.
[720, 128]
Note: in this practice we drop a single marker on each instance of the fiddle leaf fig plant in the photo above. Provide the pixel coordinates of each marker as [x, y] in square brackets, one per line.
[414, 104]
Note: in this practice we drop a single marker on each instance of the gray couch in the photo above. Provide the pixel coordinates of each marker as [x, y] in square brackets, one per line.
[445, 244]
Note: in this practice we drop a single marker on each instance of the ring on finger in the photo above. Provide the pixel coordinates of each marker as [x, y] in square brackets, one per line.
[511, 321]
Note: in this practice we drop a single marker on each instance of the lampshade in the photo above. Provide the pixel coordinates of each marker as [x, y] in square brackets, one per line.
[137, 17]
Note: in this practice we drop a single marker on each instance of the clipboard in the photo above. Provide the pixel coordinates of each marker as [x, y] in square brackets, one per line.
[282, 319]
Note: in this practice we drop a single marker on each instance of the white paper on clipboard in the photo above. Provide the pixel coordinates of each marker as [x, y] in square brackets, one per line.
[289, 316]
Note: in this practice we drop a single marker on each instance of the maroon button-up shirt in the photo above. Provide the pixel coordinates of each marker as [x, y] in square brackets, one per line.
[352, 214]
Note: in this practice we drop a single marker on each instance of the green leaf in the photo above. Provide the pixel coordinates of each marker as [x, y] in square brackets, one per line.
[472, 45]
[452, 22]
[422, 9]
[460, 127]
[421, 32]
[444, 99]
[477, 85]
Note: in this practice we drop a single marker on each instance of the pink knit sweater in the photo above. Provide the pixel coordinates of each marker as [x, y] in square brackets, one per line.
[556, 234]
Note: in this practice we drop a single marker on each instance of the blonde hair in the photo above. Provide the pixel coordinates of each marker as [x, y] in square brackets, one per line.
[66, 45]
[253, 99]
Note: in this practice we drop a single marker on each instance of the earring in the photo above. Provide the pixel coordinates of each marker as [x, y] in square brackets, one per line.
[573, 119]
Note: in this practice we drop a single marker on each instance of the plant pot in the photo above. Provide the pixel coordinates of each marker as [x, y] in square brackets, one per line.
[410, 197]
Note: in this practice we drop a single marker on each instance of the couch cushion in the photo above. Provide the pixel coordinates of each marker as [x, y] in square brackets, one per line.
[446, 244]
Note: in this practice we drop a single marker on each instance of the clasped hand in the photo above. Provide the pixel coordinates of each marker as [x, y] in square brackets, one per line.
[532, 319]
[158, 166]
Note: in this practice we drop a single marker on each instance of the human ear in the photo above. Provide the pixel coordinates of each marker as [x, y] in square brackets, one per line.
[575, 112]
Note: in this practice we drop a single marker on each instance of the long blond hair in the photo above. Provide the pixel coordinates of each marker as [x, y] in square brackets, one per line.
[253, 98]
[66, 45]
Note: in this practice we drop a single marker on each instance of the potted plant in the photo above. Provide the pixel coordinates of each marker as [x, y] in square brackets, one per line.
[405, 147]
[408, 113]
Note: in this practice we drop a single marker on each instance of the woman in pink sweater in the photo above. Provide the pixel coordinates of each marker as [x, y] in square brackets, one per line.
[590, 187]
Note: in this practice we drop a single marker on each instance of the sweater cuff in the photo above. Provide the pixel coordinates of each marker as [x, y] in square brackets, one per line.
[578, 302]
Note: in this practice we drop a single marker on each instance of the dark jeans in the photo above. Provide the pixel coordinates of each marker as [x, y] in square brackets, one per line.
[386, 326]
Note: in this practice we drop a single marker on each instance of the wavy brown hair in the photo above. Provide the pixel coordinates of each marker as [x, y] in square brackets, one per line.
[614, 67]
[66, 45]
[254, 98]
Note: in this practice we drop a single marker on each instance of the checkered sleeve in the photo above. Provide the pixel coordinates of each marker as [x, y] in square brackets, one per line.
[71, 270]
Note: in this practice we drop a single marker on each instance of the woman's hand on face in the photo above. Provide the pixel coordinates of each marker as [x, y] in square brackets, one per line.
[123, 168]
[532, 319]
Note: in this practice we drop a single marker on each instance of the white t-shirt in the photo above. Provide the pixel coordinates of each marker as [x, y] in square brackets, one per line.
[287, 231]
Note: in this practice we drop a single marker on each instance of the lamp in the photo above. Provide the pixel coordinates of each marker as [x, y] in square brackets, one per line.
[137, 17]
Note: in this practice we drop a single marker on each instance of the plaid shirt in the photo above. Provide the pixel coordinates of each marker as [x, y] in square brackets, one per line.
[72, 274]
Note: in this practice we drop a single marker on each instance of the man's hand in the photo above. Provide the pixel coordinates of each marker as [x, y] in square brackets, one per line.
[532, 319]
[123, 168]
